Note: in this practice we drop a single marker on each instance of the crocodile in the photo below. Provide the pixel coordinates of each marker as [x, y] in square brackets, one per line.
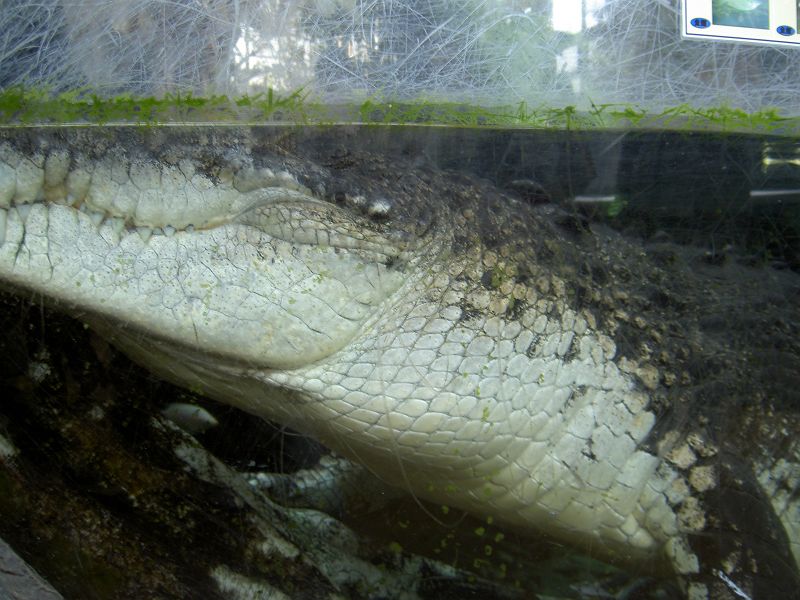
[468, 346]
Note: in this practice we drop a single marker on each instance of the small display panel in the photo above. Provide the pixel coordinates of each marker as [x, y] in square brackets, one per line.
[749, 21]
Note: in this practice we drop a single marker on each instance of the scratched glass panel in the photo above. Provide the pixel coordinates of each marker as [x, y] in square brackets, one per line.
[396, 300]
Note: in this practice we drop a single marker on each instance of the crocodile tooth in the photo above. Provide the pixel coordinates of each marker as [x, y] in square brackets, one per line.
[107, 231]
[169, 230]
[71, 200]
[117, 224]
[144, 233]
[285, 179]
[158, 231]
[56, 167]
[2, 226]
[24, 210]
[96, 217]
[8, 184]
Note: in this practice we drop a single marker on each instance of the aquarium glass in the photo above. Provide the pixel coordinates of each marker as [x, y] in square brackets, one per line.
[399, 299]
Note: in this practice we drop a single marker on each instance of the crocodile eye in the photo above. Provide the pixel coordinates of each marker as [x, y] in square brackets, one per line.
[379, 208]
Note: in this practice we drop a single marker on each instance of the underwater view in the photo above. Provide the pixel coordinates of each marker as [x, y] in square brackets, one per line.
[572, 356]
[410, 299]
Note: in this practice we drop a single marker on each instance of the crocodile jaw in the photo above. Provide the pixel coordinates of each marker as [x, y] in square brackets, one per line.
[226, 291]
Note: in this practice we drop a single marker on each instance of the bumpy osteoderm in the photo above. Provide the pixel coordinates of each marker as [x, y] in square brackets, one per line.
[427, 357]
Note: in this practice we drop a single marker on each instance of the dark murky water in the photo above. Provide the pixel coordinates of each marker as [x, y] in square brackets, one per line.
[726, 199]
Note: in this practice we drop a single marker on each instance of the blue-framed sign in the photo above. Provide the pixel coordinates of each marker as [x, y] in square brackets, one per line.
[749, 21]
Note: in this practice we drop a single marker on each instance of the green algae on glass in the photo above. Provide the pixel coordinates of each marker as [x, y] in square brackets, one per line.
[30, 106]
[19, 106]
[603, 116]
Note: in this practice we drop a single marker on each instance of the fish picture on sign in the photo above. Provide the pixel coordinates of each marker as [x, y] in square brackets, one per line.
[741, 13]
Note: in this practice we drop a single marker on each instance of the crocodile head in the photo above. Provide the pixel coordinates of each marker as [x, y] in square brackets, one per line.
[454, 340]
